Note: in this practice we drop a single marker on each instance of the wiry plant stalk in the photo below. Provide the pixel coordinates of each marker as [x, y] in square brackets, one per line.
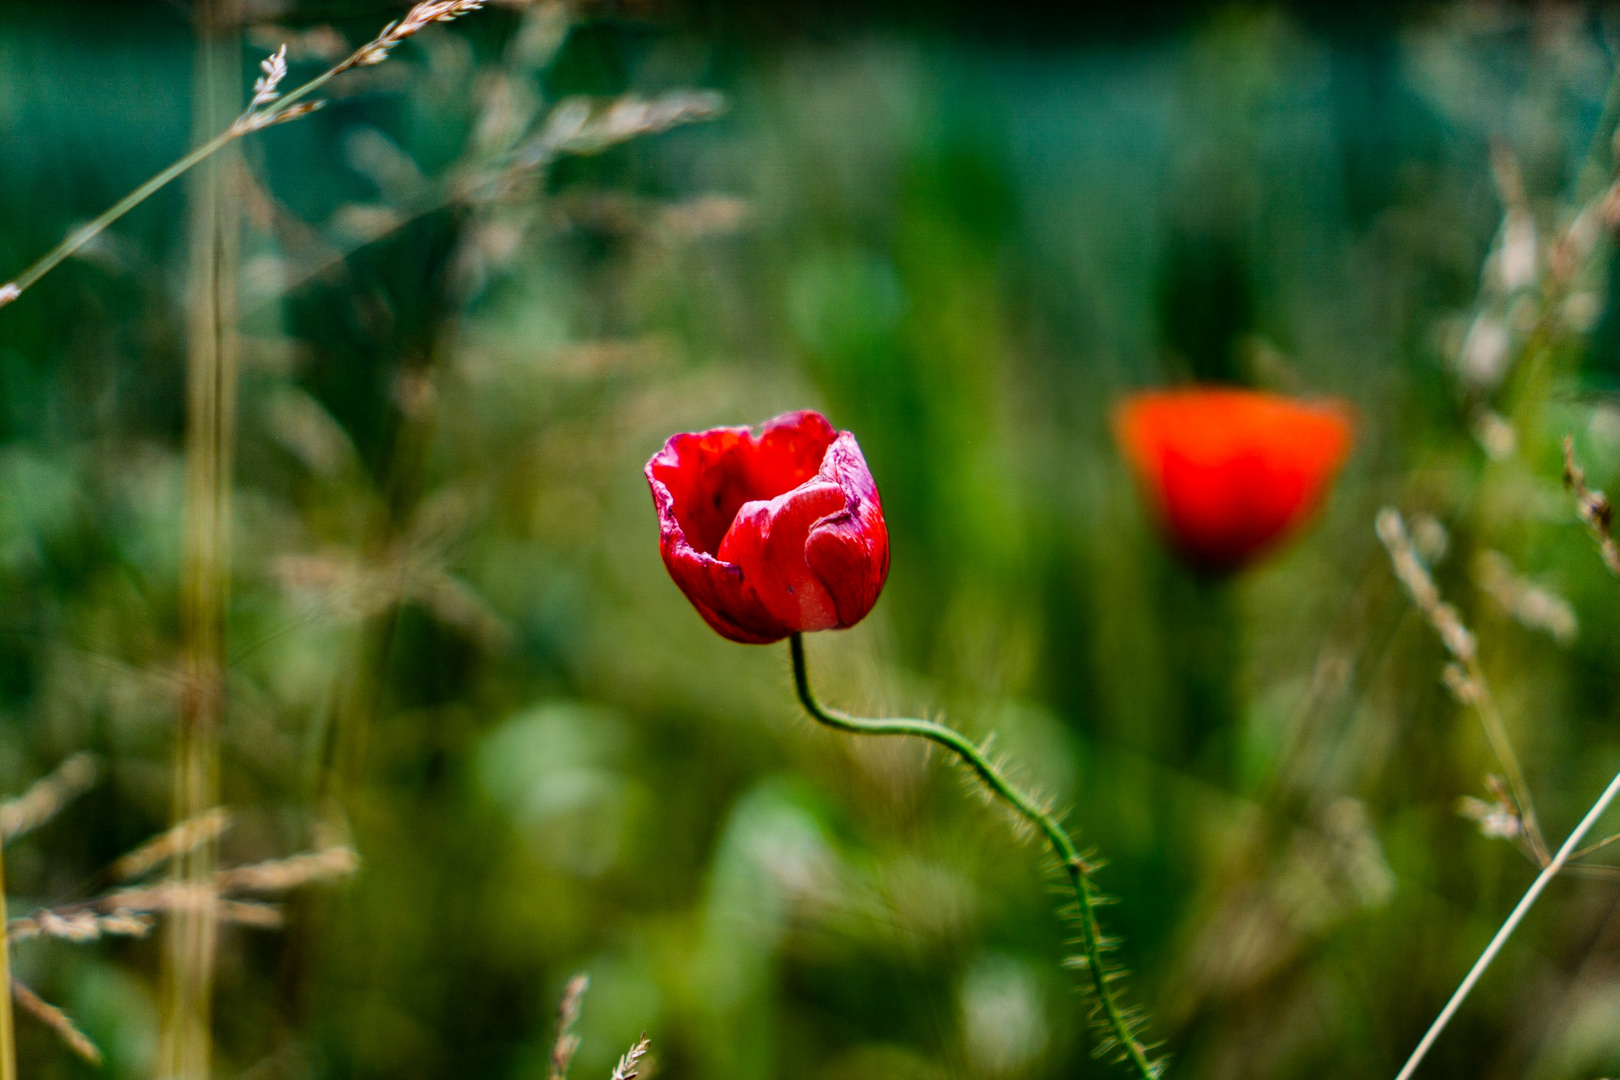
[1595, 511]
[1119, 1023]
[188, 958]
[1548, 872]
[268, 109]
[1467, 677]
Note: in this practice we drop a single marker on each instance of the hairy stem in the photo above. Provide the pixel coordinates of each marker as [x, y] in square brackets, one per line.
[1075, 867]
[1547, 874]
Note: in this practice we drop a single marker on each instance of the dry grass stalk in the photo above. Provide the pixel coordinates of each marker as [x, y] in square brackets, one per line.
[275, 69]
[80, 926]
[1498, 819]
[47, 797]
[1600, 212]
[357, 589]
[321, 42]
[254, 913]
[1531, 605]
[275, 108]
[576, 126]
[1457, 638]
[1465, 678]
[562, 1049]
[184, 837]
[36, 806]
[57, 1021]
[626, 1068]
[1599, 846]
[1593, 507]
[1596, 512]
[129, 906]
[128, 912]
[252, 121]
[40, 803]
[175, 896]
[571, 127]
[282, 875]
[279, 876]
[415, 20]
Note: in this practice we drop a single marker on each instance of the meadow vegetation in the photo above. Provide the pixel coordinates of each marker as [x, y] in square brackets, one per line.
[352, 725]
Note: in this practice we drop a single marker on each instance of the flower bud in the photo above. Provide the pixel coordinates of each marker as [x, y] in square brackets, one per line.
[773, 533]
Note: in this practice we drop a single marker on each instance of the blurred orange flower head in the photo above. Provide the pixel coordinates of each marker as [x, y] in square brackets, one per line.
[1231, 473]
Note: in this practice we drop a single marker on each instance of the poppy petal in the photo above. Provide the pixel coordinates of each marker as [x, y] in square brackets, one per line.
[849, 550]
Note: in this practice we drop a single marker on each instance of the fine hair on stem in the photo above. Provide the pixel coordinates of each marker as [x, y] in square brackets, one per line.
[1119, 1024]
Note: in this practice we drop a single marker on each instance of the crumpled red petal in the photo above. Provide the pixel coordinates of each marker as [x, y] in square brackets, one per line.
[851, 546]
[774, 533]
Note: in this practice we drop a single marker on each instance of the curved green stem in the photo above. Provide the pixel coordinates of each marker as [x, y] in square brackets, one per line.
[1115, 1016]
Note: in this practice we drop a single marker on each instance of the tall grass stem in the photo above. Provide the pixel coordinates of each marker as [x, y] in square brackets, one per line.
[8, 1041]
[188, 959]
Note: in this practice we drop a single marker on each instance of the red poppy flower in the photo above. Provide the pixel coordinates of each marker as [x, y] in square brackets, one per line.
[1231, 472]
[771, 534]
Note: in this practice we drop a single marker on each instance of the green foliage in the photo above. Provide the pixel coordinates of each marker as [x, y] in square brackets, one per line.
[451, 639]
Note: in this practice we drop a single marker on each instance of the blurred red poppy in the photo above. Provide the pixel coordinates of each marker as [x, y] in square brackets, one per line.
[1230, 472]
[771, 534]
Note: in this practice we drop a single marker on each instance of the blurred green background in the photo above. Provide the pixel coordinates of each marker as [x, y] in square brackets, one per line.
[962, 232]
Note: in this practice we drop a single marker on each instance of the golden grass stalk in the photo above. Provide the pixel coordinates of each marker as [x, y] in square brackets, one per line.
[192, 928]
[8, 1040]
